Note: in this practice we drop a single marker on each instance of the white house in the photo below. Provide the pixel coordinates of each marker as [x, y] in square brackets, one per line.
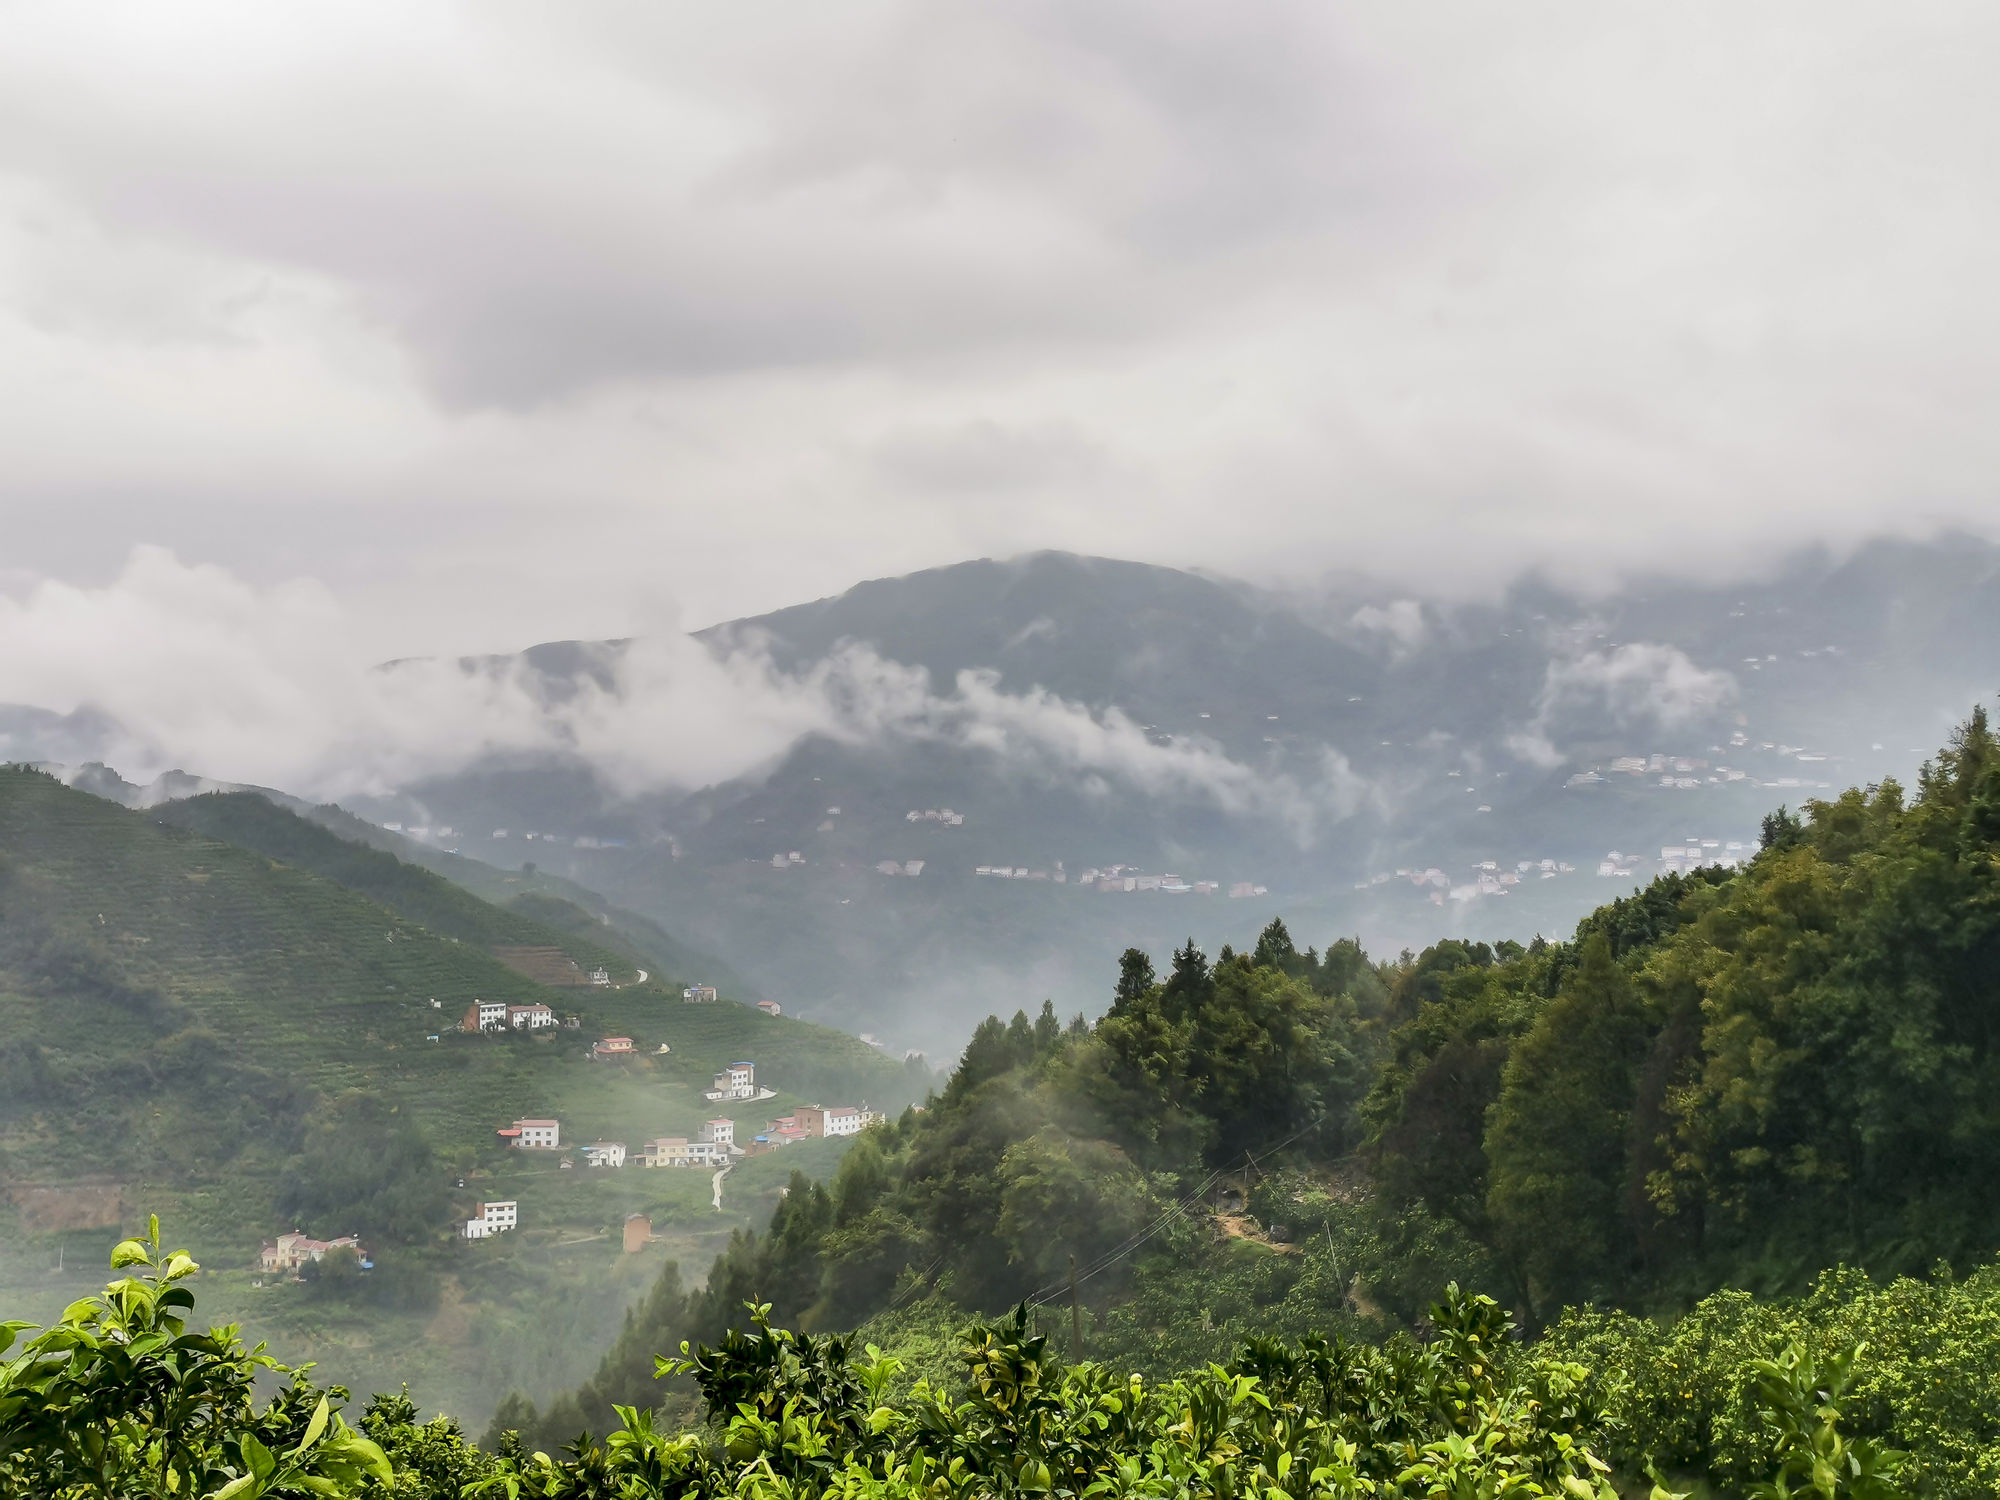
[485, 1015]
[698, 994]
[843, 1120]
[604, 1154]
[737, 1081]
[492, 1219]
[719, 1132]
[601, 978]
[533, 1135]
[530, 1017]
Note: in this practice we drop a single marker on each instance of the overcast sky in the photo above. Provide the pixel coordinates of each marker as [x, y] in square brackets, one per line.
[487, 323]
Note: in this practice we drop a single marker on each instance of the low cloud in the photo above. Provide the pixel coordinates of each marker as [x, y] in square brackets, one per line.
[1401, 622]
[1640, 684]
[188, 666]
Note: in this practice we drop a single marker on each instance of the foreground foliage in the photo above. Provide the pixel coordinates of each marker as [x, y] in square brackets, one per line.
[119, 1401]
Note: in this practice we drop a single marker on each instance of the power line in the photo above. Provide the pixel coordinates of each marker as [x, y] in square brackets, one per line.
[1043, 1295]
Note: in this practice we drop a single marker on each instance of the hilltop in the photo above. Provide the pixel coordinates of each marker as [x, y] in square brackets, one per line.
[244, 1043]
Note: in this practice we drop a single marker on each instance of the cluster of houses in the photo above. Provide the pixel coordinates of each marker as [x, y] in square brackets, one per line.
[1115, 878]
[498, 1015]
[813, 1122]
[909, 867]
[942, 815]
[288, 1253]
[716, 1146]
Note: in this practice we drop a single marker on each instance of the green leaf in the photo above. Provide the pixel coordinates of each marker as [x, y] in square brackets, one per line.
[315, 1427]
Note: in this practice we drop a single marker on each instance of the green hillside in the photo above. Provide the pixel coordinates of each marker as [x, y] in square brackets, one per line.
[243, 1044]
[548, 898]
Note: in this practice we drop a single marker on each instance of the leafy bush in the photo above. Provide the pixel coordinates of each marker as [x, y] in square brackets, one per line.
[119, 1401]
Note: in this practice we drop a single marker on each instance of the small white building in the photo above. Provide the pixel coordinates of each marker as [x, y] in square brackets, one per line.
[719, 1132]
[842, 1120]
[604, 1154]
[530, 1017]
[601, 978]
[533, 1135]
[770, 1007]
[485, 1015]
[492, 1219]
[737, 1081]
[698, 994]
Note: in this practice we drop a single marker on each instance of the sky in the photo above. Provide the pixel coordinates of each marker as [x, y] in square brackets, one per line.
[419, 327]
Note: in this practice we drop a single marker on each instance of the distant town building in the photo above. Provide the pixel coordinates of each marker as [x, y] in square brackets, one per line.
[530, 1017]
[834, 1121]
[490, 1219]
[601, 977]
[638, 1233]
[613, 1046]
[288, 1252]
[737, 1081]
[698, 994]
[485, 1015]
[604, 1154]
[532, 1135]
[719, 1132]
[770, 1007]
[679, 1151]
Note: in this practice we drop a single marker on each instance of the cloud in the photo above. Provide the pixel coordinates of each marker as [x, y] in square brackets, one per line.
[375, 289]
[1639, 684]
[1401, 621]
[187, 666]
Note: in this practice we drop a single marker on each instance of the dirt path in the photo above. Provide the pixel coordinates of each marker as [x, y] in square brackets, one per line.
[1237, 1227]
[721, 1173]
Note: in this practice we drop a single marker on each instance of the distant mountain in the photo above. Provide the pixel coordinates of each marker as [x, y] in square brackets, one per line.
[1328, 740]
[1076, 714]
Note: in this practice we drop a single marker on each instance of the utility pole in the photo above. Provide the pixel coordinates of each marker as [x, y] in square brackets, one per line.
[1075, 1317]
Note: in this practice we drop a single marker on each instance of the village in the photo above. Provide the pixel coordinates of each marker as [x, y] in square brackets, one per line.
[1114, 879]
[1687, 773]
[715, 1148]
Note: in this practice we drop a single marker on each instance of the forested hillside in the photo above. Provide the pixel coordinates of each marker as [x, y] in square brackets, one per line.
[1727, 1079]
[257, 1039]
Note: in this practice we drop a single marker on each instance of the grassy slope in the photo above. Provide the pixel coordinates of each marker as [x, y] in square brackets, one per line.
[418, 895]
[128, 946]
[551, 899]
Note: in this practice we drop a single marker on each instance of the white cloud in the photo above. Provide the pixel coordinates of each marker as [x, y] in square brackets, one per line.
[1401, 621]
[199, 670]
[1638, 684]
[477, 312]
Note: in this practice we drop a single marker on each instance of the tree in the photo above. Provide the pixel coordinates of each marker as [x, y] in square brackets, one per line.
[1135, 977]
